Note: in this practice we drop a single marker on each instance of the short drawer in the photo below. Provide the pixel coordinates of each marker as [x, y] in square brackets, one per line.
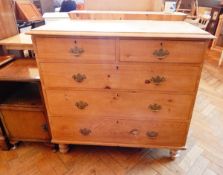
[119, 104]
[162, 51]
[75, 49]
[152, 77]
[118, 132]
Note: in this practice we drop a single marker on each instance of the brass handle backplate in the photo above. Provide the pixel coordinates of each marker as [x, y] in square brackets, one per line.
[81, 105]
[85, 131]
[161, 53]
[155, 107]
[157, 80]
[77, 51]
[79, 77]
[152, 134]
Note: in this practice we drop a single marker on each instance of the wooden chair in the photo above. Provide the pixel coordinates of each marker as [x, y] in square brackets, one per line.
[189, 7]
[201, 21]
[27, 11]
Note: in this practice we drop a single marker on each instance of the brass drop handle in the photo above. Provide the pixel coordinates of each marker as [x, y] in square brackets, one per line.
[155, 107]
[152, 134]
[79, 77]
[134, 132]
[161, 53]
[157, 80]
[85, 131]
[77, 51]
[81, 105]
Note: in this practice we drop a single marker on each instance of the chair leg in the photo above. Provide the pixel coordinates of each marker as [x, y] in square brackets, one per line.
[221, 59]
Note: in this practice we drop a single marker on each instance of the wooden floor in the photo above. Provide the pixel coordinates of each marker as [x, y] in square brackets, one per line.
[204, 155]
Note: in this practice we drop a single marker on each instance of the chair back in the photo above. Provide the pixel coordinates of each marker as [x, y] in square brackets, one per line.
[203, 22]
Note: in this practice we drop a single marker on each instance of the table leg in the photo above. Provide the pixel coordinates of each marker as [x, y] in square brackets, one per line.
[221, 59]
[4, 50]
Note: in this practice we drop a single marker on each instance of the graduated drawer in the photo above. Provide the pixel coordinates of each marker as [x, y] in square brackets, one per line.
[119, 104]
[75, 49]
[131, 77]
[118, 132]
[162, 51]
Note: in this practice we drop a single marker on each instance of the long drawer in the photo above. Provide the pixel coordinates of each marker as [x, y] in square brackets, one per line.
[118, 131]
[118, 104]
[179, 78]
[161, 51]
[76, 49]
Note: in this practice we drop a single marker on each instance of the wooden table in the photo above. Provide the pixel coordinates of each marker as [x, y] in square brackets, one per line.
[54, 16]
[20, 70]
[6, 59]
[17, 42]
[126, 15]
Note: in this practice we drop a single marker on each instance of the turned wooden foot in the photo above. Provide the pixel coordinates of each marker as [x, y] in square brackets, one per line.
[54, 147]
[14, 144]
[63, 148]
[174, 153]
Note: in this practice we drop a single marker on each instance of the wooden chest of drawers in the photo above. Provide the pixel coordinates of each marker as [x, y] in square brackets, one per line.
[120, 88]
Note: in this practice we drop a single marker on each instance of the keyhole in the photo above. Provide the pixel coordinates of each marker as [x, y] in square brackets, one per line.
[75, 42]
[161, 44]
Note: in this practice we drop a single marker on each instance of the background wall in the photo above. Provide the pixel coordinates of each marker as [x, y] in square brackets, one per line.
[47, 5]
[56, 3]
[208, 3]
[132, 5]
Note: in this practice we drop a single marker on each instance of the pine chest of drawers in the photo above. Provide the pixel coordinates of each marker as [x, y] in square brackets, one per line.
[120, 83]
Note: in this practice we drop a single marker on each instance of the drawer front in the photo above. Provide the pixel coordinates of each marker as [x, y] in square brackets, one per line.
[128, 77]
[118, 104]
[162, 51]
[80, 50]
[120, 131]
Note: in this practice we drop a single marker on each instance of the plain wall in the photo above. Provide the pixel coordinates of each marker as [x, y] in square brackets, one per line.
[208, 3]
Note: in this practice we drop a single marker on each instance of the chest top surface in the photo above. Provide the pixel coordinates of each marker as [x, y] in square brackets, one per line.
[124, 28]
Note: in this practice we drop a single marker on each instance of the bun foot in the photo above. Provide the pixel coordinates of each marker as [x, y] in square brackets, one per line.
[14, 144]
[174, 153]
[63, 148]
